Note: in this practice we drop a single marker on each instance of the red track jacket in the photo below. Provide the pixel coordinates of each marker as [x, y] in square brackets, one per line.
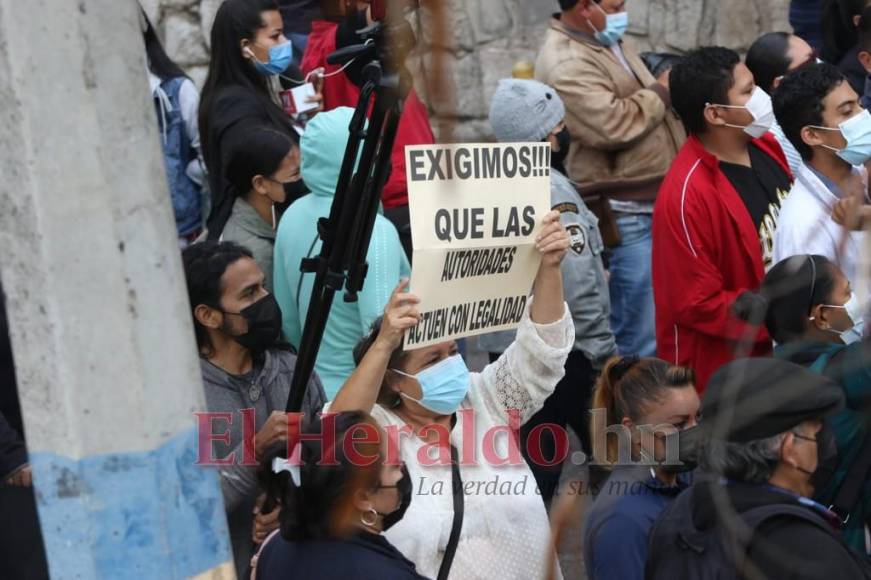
[339, 91]
[706, 253]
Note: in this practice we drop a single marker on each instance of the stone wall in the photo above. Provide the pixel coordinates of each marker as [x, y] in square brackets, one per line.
[489, 36]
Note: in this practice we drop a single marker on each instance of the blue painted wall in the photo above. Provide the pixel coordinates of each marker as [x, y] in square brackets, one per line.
[131, 515]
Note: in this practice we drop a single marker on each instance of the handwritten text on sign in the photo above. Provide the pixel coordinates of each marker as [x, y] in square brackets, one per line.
[475, 211]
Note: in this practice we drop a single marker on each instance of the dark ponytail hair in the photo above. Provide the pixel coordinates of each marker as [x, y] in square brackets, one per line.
[159, 62]
[789, 292]
[204, 265]
[628, 387]
[767, 59]
[314, 509]
[236, 20]
[260, 152]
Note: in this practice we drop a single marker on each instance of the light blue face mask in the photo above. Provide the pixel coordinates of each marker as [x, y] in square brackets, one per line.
[444, 385]
[615, 27]
[280, 57]
[857, 131]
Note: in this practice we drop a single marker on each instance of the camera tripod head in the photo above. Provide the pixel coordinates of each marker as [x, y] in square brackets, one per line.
[382, 52]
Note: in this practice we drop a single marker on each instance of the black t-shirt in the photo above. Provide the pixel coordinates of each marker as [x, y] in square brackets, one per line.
[762, 188]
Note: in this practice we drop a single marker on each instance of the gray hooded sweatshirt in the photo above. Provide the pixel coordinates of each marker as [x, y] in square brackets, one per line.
[265, 390]
[584, 281]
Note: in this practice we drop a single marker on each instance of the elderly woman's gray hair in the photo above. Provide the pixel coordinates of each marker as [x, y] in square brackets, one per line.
[752, 462]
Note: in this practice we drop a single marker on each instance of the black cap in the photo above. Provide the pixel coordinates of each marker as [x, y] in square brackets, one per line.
[756, 398]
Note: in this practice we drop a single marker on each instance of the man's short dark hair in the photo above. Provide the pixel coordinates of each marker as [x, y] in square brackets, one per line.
[704, 76]
[569, 4]
[204, 266]
[798, 101]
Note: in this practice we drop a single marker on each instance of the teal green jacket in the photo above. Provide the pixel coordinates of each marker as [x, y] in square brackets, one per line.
[849, 366]
[323, 148]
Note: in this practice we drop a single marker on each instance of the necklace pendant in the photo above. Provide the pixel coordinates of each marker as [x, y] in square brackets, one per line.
[254, 392]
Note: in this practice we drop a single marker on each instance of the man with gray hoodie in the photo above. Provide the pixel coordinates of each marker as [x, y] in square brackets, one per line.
[238, 325]
[526, 110]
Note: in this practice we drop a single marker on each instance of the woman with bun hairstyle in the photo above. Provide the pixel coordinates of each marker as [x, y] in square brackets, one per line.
[262, 170]
[637, 402]
[335, 501]
[817, 321]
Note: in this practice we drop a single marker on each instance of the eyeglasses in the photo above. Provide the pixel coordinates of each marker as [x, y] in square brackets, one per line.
[805, 437]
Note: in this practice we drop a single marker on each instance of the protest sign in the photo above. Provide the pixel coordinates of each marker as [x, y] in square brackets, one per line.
[475, 211]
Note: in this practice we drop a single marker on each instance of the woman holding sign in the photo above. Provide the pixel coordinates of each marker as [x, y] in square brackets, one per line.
[476, 503]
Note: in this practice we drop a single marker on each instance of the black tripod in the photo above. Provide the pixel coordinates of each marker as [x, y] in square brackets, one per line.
[348, 229]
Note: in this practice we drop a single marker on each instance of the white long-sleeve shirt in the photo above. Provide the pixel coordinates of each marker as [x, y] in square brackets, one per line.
[805, 225]
[505, 531]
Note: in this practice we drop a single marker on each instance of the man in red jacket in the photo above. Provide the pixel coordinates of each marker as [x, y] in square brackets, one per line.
[716, 214]
[343, 90]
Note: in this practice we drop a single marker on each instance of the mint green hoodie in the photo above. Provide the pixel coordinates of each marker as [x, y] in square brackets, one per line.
[322, 149]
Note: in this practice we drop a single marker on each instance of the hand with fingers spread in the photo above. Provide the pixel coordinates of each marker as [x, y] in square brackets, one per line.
[400, 314]
[553, 241]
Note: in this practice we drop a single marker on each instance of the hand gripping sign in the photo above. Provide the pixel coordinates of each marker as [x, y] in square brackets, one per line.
[475, 211]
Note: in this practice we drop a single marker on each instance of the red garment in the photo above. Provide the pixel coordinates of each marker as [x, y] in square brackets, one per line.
[339, 91]
[706, 252]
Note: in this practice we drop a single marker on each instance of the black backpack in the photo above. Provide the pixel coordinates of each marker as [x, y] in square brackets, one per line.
[677, 550]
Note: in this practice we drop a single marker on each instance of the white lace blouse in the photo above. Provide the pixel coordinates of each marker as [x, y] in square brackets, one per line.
[505, 530]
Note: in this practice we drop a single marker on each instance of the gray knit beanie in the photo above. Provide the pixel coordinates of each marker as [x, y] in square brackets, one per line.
[524, 110]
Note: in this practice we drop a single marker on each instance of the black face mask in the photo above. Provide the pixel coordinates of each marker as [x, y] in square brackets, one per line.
[403, 486]
[688, 460]
[827, 460]
[294, 190]
[264, 324]
[558, 158]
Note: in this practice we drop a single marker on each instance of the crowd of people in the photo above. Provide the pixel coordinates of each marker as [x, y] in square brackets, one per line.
[697, 318]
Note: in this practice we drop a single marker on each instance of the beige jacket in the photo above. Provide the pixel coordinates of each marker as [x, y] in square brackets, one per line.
[624, 132]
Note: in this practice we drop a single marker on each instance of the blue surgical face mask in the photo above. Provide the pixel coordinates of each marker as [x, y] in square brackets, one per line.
[443, 385]
[615, 27]
[280, 57]
[857, 132]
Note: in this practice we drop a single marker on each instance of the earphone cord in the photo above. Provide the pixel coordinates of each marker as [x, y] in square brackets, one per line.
[325, 76]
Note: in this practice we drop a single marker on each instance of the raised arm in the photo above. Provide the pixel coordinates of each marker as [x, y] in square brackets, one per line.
[360, 391]
[553, 242]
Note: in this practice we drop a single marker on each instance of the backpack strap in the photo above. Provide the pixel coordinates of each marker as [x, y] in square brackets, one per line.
[756, 517]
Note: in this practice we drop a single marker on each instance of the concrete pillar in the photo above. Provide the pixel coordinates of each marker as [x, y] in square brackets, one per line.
[101, 331]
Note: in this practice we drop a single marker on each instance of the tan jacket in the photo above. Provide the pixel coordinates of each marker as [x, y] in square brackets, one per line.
[624, 132]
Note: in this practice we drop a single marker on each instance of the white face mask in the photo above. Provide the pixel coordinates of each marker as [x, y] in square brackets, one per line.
[759, 107]
[856, 316]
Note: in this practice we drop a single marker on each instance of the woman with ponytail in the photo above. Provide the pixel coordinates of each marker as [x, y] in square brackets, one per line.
[249, 52]
[335, 498]
[817, 321]
[637, 402]
[263, 170]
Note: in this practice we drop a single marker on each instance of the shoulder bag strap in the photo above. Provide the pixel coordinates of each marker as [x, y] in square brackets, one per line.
[457, 526]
